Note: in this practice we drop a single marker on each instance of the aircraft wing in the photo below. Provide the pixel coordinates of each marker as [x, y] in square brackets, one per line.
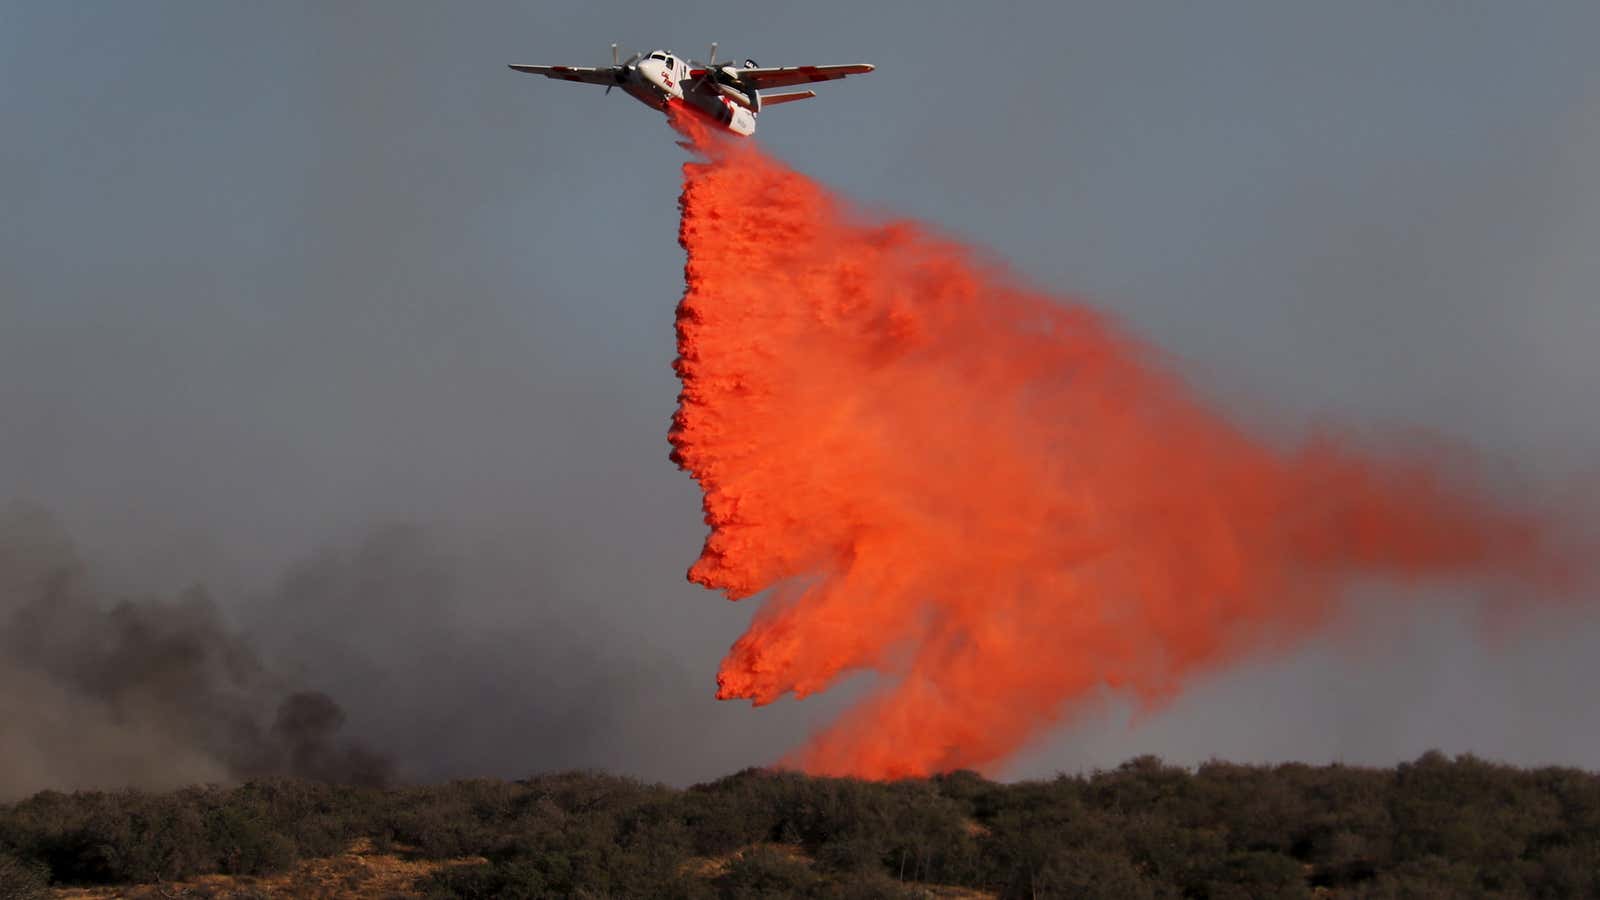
[585, 74]
[783, 76]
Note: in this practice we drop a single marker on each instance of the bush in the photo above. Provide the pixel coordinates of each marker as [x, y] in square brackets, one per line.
[1091, 874]
[1433, 827]
[21, 880]
[512, 881]
[768, 872]
[1252, 873]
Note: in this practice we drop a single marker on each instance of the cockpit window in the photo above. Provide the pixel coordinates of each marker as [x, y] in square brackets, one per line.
[658, 56]
[672, 63]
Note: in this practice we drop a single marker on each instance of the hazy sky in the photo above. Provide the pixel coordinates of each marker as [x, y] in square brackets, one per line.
[275, 275]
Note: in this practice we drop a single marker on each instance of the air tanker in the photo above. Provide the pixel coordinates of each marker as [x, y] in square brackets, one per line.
[727, 95]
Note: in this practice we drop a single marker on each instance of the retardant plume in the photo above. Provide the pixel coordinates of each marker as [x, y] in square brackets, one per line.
[991, 496]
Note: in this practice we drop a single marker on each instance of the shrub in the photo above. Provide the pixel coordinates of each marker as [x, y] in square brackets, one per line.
[768, 872]
[512, 881]
[1433, 827]
[21, 880]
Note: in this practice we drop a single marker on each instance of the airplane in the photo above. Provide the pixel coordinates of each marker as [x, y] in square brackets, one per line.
[730, 96]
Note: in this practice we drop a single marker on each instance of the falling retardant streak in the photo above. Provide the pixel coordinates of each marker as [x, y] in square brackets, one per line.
[990, 496]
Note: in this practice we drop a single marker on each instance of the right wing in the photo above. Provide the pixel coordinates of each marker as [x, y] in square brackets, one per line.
[784, 76]
[585, 74]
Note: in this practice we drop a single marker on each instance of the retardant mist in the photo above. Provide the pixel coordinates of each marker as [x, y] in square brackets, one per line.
[993, 498]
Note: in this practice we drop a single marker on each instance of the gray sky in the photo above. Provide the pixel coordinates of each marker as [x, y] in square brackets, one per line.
[275, 275]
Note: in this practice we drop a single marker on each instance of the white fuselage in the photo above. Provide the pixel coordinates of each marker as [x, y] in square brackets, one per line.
[662, 78]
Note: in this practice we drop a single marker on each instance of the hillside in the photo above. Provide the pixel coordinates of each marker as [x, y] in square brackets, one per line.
[1432, 827]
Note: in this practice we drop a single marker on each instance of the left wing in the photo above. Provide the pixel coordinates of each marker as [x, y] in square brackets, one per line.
[585, 74]
[782, 76]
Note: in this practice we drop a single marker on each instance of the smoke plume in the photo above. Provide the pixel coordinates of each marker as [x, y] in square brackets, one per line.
[392, 656]
[993, 498]
[103, 690]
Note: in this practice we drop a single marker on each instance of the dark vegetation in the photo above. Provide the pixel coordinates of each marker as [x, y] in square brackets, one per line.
[1433, 827]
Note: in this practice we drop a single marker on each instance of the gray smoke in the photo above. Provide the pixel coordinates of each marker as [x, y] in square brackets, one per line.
[387, 625]
[358, 664]
[99, 689]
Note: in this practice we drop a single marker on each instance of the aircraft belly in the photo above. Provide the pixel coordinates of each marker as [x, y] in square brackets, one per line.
[723, 112]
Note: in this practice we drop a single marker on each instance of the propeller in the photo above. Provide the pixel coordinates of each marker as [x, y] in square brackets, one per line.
[728, 71]
[617, 67]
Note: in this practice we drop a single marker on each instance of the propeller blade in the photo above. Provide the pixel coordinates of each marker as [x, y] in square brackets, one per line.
[613, 53]
[713, 60]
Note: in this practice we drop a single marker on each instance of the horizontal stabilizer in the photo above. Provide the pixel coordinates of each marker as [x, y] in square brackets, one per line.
[775, 99]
